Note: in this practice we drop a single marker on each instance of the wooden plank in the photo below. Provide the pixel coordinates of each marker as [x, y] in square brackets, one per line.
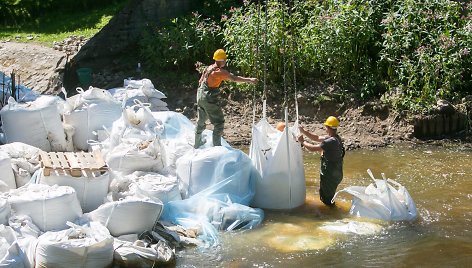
[73, 162]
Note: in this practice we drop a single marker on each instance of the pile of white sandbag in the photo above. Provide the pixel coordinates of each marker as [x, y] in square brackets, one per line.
[143, 91]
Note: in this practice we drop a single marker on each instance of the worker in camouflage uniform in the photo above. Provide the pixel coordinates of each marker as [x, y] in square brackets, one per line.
[332, 154]
[207, 97]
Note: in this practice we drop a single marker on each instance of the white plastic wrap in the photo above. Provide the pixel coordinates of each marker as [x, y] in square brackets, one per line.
[279, 159]
[128, 216]
[91, 190]
[36, 123]
[4, 210]
[200, 169]
[50, 207]
[78, 246]
[10, 252]
[6, 174]
[134, 255]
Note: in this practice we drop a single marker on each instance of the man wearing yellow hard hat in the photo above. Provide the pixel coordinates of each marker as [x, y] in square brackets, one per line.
[332, 154]
[207, 97]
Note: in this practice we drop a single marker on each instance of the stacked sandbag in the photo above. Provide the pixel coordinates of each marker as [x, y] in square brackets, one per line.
[50, 207]
[4, 210]
[88, 112]
[36, 123]
[91, 188]
[27, 234]
[7, 178]
[10, 252]
[134, 143]
[24, 161]
[127, 216]
[156, 186]
[143, 91]
[203, 168]
[79, 246]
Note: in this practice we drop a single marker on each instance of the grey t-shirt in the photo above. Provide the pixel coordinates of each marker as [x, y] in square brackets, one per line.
[332, 149]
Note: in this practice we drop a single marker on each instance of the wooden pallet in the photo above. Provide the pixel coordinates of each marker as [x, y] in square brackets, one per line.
[76, 163]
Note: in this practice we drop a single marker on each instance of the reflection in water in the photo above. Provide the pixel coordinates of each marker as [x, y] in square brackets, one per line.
[440, 181]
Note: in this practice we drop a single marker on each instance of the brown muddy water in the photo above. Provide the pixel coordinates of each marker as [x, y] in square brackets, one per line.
[439, 179]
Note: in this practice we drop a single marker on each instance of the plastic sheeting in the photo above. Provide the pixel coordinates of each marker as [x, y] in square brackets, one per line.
[79, 246]
[4, 210]
[381, 200]
[36, 123]
[10, 252]
[50, 207]
[203, 168]
[278, 158]
[91, 190]
[89, 112]
[6, 176]
[127, 216]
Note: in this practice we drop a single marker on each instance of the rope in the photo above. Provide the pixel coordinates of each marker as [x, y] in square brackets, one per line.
[264, 96]
[257, 61]
[294, 68]
[284, 47]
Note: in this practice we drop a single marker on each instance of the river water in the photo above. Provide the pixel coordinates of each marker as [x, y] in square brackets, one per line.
[439, 179]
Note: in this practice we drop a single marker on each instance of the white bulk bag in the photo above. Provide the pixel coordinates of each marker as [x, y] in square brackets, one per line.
[50, 207]
[279, 159]
[128, 216]
[381, 200]
[154, 185]
[10, 252]
[4, 211]
[6, 174]
[79, 246]
[91, 111]
[202, 168]
[91, 189]
[36, 123]
[27, 234]
[24, 160]
[157, 105]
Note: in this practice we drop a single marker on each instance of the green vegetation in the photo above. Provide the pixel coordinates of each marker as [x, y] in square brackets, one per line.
[56, 25]
[407, 53]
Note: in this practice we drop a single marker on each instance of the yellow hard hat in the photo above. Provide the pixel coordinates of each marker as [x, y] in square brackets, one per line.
[332, 122]
[219, 54]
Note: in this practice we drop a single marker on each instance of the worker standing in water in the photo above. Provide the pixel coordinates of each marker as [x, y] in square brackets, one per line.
[207, 97]
[332, 154]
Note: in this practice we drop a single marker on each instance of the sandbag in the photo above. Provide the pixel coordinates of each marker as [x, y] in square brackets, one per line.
[91, 189]
[36, 123]
[128, 216]
[50, 207]
[155, 185]
[4, 210]
[200, 169]
[27, 234]
[79, 246]
[6, 175]
[279, 160]
[89, 112]
[136, 255]
[381, 200]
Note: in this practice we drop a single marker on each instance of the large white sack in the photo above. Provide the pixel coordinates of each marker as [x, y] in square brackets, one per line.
[91, 189]
[89, 112]
[155, 185]
[10, 252]
[27, 234]
[24, 160]
[6, 174]
[279, 160]
[79, 246]
[36, 123]
[4, 210]
[128, 216]
[203, 168]
[50, 207]
[381, 200]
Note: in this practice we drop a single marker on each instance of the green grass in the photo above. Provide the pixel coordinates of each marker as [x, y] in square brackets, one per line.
[58, 26]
